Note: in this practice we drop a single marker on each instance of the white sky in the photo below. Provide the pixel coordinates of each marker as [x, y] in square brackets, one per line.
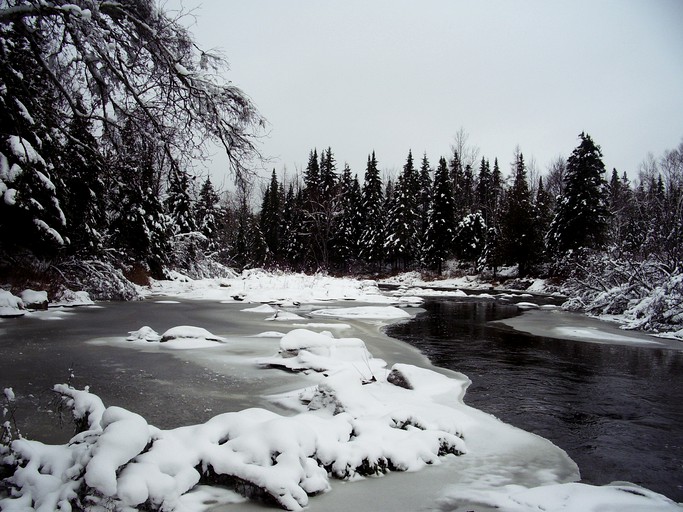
[394, 75]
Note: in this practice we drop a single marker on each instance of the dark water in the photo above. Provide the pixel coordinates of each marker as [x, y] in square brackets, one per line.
[616, 410]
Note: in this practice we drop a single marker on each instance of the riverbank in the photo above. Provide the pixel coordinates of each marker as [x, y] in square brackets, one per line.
[515, 458]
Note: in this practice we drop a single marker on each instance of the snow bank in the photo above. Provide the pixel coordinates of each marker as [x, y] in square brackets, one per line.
[10, 305]
[71, 298]
[259, 286]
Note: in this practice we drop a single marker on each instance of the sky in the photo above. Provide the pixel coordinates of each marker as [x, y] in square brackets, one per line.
[398, 75]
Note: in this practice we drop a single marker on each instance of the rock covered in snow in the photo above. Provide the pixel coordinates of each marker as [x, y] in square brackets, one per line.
[71, 298]
[34, 299]
[10, 305]
[144, 333]
[189, 332]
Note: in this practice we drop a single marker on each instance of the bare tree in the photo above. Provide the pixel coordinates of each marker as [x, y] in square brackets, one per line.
[554, 181]
[467, 153]
[128, 61]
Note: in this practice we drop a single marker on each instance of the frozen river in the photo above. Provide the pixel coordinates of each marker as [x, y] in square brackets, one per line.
[174, 388]
[610, 398]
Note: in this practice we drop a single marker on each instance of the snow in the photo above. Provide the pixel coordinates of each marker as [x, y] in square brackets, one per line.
[72, 298]
[284, 316]
[24, 151]
[595, 334]
[364, 313]
[33, 297]
[355, 416]
[572, 497]
[188, 332]
[257, 286]
[10, 305]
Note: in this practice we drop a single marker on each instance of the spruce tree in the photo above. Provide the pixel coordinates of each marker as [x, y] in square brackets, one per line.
[516, 227]
[403, 217]
[269, 222]
[581, 214]
[440, 232]
[372, 235]
[208, 214]
[470, 238]
[179, 205]
[348, 229]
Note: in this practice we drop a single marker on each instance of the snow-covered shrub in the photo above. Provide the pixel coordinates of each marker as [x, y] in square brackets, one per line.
[102, 280]
[645, 294]
[10, 305]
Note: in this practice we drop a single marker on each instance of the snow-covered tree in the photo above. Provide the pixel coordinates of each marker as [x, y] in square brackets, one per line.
[269, 221]
[581, 214]
[517, 240]
[470, 238]
[440, 232]
[372, 235]
[179, 205]
[349, 224]
[208, 211]
[403, 217]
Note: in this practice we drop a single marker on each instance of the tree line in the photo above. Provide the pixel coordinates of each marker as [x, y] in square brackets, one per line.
[479, 217]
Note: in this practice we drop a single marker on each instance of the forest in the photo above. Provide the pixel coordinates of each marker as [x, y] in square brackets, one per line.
[105, 108]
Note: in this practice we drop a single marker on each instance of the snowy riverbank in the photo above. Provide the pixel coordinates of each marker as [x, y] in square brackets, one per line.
[354, 415]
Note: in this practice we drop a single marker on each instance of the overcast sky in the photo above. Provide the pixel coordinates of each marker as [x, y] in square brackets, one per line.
[394, 75]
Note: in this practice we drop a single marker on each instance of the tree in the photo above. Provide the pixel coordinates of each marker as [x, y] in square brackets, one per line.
[118, 63]
[403, 220]
[179, 205]
[372, 235]
[517, 239]
[439, 235]
[470, 238]
[581, 214]
[271, 212]
[31, 217]
[208, 212]
[349, 225]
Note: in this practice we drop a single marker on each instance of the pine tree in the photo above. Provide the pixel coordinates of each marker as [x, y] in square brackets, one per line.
[517, 239]
[350, 219]
[581, 215]
[31, 217]
[403, 219]
[543, 213]
[439, 235]
[470, 238]
[269, 224]
[179, 204]
[372, 235]
[208, 214]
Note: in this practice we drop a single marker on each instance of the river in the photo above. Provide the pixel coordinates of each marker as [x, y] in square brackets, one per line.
[615, 408]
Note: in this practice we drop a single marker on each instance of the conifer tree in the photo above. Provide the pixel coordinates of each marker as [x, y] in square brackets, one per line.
[440, 232]
[581, 215]
[208, 214]
[372, 235]
[348, 229]
[403, 220]
[269, 223]
[179, 205]
[517, 228]
[470, 238]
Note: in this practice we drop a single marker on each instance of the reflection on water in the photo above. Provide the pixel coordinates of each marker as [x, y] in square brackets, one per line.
[616, 410]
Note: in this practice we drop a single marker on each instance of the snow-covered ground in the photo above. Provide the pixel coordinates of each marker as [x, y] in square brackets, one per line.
[356, 417]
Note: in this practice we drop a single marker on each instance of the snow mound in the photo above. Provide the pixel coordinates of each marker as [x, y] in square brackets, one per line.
[189, 332]
[71, 298]
[145, 333]
[10, 305]
[34, 299]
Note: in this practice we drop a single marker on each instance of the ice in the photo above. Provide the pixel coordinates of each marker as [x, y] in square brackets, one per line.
[364, 313]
